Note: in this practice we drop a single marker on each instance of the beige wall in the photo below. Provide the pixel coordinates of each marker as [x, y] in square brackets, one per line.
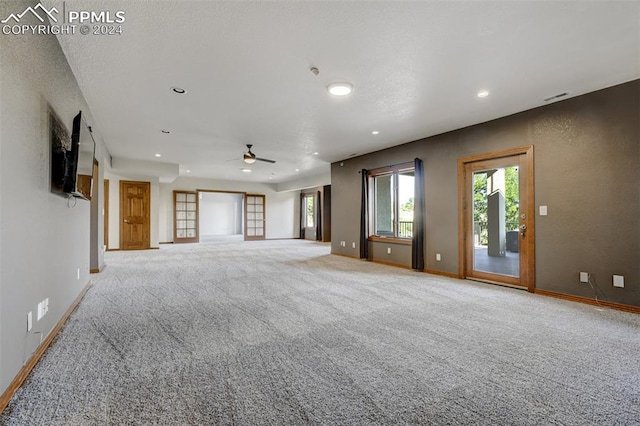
[43, 241]
[587, 171]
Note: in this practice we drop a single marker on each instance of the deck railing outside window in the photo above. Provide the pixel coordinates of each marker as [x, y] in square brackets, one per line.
[405, 229]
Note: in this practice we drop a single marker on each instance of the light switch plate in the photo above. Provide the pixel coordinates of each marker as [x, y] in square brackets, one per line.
[543, 210]
[618, 281]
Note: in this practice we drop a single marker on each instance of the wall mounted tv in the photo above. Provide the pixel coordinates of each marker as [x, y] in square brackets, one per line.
[72, 164]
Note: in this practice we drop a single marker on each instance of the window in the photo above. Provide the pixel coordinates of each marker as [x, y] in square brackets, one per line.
[310, 211]
[391, 206]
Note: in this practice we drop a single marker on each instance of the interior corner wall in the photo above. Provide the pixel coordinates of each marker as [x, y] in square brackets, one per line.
[98, 213]
[43, 241]
[587, 171]
[114, 207]
[281, 219]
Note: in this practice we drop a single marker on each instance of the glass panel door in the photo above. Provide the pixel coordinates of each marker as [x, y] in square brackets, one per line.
[497, 217]
[185, 215]
[255, 226]
[496, 204]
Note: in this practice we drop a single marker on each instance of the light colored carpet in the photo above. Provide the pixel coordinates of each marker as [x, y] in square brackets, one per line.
[283, 333]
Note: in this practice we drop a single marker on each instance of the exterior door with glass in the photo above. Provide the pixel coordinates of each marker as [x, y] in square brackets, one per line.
[498, 217]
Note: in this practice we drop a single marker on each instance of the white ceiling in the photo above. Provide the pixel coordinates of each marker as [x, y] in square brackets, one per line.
[416, 68]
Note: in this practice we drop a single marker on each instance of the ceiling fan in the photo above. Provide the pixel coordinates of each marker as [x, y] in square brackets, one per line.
[250, 158]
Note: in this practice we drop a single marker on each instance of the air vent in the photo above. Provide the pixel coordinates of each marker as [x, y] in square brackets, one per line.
[558, 96]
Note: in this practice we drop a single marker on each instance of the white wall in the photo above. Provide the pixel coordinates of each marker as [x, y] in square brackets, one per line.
[42, 241]
[114, 207]
[220, 213]
[282, 207]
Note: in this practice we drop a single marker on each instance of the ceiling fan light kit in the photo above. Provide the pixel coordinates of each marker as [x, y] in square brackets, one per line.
[250, 158]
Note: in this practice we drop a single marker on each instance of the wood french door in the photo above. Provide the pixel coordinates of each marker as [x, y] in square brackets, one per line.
[185, 214]
[255, 208]
[496, 217]
[135, 215]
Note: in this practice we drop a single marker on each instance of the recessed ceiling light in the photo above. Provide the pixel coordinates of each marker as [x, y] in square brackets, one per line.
[166, 132]
[246, 170]
[375, 132]
[297, 170]
[340, 89]
[179, 90]
[270, 177]
[158, 155]
[483, 93]
[316, 153]
[188, 171]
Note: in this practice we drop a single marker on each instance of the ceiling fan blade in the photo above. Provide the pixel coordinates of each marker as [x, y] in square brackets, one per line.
[266, 160]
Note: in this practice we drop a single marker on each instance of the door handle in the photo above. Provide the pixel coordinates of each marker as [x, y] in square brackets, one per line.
[523, 229]
[126, 221]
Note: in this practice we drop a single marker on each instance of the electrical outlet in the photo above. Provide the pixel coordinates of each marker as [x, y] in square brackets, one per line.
[353, 245]
[40, 312]
[29, 321]
[78, 274]
[388, 250]
[618, 281]
[46, 305]
[584, 277]
[438, 257]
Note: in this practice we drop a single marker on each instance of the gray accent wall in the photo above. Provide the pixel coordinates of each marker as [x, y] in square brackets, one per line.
[587, 171]
[43, 241]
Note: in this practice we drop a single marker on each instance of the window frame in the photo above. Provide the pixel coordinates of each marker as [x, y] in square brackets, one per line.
[393, 171]
[311, 197]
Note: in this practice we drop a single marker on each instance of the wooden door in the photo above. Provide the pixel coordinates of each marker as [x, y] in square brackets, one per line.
[135, 215]
[255, 228]
[497, 218]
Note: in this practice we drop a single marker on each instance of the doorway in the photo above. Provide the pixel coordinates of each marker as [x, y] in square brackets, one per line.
[221, 216]
[135, 215]
[497, 217]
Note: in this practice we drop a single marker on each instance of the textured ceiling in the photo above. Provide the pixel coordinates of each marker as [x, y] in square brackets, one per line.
[416, 68]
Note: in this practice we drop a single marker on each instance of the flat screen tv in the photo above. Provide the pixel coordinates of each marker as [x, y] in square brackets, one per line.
[78, 177]
[60, 144]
